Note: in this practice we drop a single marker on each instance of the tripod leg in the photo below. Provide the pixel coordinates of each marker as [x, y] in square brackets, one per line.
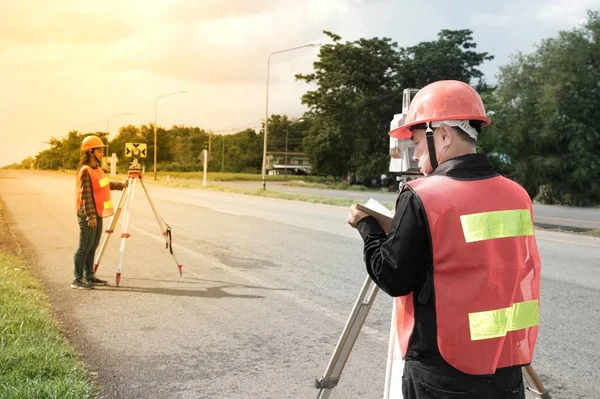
[391, 351]
[534, 383]
[111, 228]
[125, 232]
[342, 351]
[166, 231]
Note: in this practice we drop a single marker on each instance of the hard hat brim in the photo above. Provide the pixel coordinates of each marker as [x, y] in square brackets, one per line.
[402, 132]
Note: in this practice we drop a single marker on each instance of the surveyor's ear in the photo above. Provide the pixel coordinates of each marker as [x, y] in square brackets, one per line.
[446, 134]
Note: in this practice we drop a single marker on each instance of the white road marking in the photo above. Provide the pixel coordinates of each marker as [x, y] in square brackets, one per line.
[230, 213]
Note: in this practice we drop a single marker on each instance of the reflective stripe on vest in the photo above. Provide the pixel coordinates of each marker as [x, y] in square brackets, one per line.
[108, 206]
[497, 224]
[496, 323]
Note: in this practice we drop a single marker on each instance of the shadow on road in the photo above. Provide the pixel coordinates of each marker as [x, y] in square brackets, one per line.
[215, 292]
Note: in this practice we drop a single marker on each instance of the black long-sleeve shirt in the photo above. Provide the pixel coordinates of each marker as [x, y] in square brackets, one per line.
[400, 261]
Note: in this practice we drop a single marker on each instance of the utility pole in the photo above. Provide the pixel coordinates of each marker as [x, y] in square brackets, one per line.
[223, 155]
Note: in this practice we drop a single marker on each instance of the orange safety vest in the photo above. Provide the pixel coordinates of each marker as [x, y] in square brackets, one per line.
[486, 273]
[101, 191]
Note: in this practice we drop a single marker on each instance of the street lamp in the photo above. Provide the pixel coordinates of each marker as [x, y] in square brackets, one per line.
[155, 115]
[287, 128]
[108, 134]
[264, 162]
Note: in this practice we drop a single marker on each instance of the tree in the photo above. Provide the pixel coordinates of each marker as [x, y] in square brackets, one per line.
[547, 120]
[451, 56]
[359, 89]
[249, 160]
[356, 98]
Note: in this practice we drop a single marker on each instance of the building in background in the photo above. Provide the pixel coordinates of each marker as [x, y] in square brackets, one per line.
[291, 163]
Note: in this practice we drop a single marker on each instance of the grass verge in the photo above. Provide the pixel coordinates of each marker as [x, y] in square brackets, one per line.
[35, 359]
[266, 193]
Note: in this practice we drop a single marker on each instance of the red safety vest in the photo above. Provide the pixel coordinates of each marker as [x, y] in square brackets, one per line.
[101, 191]
[486, 273]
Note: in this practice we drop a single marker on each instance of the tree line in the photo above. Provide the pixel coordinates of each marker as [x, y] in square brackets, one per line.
[545, 109]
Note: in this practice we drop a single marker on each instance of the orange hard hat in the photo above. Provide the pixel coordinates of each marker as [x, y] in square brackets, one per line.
[445, 100]
[91, 142]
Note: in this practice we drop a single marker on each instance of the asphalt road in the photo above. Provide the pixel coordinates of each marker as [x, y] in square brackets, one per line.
[548, 215]
[267, 288]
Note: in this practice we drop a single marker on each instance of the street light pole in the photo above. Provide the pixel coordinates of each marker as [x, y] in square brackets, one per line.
[285, 164]
[223, 130]
[223, 155]
[287, 128]
[264, 162]
[209, 137]
[155, 117]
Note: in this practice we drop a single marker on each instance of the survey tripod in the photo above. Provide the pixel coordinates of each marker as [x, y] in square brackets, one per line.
[134, 174]
[357, 318]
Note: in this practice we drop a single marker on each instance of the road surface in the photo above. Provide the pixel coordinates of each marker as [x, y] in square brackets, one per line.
[267, 287]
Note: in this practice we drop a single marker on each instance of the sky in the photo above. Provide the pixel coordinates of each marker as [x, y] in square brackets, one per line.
[81, 64]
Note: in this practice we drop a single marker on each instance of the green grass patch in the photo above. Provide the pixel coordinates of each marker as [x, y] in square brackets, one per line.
[266, 193]
[325, 181]
[217, 176]
[260, 193]
[333, 185]
[35, 359]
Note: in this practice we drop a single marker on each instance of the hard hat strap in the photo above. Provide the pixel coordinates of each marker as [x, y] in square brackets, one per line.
[431, 147]
[98, 162]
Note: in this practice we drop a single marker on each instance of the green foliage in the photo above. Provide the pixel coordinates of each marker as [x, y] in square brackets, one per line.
[451, 56]
[547, 117]
[35, 361]
[359, 90]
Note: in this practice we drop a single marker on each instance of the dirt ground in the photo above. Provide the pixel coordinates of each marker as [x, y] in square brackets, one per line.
[8, 240]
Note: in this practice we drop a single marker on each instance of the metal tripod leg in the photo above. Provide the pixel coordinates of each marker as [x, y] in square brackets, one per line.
[357, 318]
[163, 228]
[111, 227]
[342, 351]
[534, 384]
[390, 354]
[126, 223]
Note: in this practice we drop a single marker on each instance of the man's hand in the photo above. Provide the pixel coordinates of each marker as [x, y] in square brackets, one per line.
[355, 215]
[125, 183]
[92, 223]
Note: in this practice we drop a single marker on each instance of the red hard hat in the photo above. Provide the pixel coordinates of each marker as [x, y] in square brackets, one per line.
[442, 100]
[91, 142]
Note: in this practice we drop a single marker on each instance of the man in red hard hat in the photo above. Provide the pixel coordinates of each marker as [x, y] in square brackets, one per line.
[93, 200]
[461, 257]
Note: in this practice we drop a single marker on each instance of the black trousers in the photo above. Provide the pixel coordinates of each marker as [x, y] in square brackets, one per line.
[433, 378]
